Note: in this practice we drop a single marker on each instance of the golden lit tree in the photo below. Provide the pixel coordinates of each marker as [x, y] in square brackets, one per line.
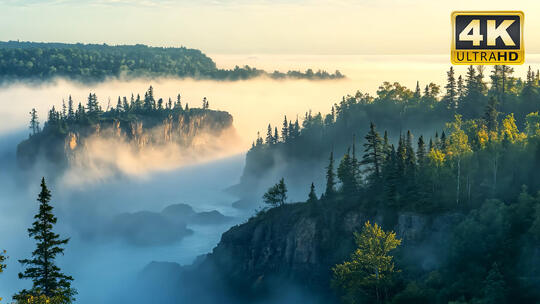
[369, 272]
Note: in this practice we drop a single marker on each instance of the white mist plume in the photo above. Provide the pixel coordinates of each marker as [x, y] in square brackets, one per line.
[105, 155]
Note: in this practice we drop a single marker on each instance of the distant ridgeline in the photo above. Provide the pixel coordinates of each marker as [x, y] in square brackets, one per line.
[135, 120]
[304, 146]
[92, 62]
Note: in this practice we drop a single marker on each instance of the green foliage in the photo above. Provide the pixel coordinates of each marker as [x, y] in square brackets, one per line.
[3, 258]
[312, 196]
[92, 62]
[277, 194]
[47, 278]
[473, 175]
[369, 272]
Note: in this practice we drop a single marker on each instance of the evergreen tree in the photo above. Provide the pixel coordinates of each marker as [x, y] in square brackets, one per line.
[34, 122]
[373, 156]
[451, 90]
[276, 136]
[269, 138]
[119, 105]
[92, 106]
[386, 145]
[491, 114]
[417, 93]
[277, 194]
[64, 109]
[285, 130]
[259, 139]
[443, 143]
[312, 196]
[421, 152]
[178, 103]
[71, 113]
[494, 287]
[345, 173]
[401, 156]
[330, 177]
[410, 156]
[460, 89]
[125, 104]
[48, 280]
[391, 178]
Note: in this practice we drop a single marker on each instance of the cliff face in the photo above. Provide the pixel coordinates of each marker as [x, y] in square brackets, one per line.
[299, 243]
[57, 146]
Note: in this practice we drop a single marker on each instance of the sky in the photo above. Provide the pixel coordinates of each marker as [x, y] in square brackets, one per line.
[341, 27]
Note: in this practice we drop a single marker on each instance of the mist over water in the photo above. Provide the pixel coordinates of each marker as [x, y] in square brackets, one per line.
[101, 267]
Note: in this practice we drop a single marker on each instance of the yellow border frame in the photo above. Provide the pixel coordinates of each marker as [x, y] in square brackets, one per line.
[508, 13]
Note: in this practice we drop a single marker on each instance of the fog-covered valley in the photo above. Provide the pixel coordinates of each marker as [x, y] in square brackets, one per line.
[101, 256]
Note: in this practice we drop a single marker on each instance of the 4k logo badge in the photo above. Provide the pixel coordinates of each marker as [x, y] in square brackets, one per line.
[487, 38]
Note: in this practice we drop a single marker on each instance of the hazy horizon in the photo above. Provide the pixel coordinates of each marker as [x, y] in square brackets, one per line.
[262, 26]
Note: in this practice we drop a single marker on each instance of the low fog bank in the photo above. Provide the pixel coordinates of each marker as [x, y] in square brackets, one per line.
[253, 103]
[107, 155]
[101, 264]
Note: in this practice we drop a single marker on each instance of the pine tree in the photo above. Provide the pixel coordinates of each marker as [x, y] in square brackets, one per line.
[64, 109]
[285, 130]
[330, 177]
[92, 106]
[345, 173]
[34, 122]
[443, 143]
[401, 156]
[70, 108]
[409, 153]
[178, 103]
[269, 138]
[460, 89]
[276, 136]
[386, 145]
[277, 194]
[47, 278]
[417, 93]
[312, 196]
[119, 105]
[125, 104]
[451, 90]
[373, 155]
[491, 114]
[259, 139]
[421, 155]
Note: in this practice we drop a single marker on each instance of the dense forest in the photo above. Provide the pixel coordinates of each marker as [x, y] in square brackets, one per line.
[139, 120]
[463, 200]
[93, 63]
[395, 109]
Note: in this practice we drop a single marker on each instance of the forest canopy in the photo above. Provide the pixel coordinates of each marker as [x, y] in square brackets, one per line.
[96, 62]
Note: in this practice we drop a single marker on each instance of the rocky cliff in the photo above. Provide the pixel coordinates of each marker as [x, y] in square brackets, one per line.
[57, 146]
[298, 244]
